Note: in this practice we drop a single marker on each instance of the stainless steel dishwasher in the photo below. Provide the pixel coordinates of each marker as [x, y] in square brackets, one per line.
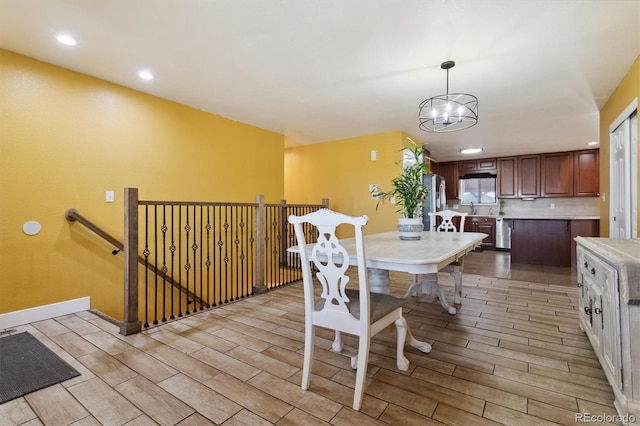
[503, 234]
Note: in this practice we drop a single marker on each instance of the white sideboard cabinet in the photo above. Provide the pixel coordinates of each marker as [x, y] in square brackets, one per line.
[609, 284]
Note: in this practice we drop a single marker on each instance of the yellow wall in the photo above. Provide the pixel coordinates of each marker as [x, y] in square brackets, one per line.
[627, 90]
[342, 171]
[66, 138]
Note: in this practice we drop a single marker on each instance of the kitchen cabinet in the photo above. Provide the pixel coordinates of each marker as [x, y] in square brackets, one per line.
[484, 165]
[582, 228]
[484, 224]
[556, 174]
[507, 177]
[609, 314]
[450, 173]
[529, 176]
[586, 173]
[541, 242]
[519, 177]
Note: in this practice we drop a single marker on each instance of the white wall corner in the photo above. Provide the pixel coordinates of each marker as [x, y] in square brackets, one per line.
[39, 313]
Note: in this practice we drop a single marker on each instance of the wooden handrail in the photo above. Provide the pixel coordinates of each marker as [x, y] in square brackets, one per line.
[72, 215]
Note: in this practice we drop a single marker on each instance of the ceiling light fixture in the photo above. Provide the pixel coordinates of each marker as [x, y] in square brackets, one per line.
[66, 39]
[145, 75]
[592, 143]
[448, 112]
[470, 150]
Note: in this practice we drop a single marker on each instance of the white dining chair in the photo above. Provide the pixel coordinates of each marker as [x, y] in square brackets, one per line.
[444, 221]
[448, 225]
[340, 305]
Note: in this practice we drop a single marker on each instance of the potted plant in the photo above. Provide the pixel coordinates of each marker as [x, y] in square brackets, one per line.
[408, 192]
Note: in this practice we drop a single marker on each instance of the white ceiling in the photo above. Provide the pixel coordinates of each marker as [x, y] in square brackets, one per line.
[321, 70]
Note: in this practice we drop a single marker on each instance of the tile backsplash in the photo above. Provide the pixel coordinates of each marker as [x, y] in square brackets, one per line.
[573, 206]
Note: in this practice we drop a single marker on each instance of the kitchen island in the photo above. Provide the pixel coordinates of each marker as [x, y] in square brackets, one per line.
[547, 240]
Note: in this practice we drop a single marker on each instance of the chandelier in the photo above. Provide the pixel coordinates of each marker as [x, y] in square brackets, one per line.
[448, 112]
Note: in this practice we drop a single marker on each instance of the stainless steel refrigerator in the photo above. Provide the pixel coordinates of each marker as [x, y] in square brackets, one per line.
[436, 200]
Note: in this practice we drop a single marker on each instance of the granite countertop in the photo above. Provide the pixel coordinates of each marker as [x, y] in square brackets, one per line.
[537, 216]
[624, 254]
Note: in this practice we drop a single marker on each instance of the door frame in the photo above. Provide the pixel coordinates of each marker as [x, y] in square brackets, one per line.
[632, 153]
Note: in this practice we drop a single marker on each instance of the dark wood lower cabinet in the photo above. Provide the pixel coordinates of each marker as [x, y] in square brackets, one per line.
[486, 225]
[582, 228]
[541, 242]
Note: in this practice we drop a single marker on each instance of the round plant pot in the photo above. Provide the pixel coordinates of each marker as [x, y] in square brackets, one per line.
[410, 229]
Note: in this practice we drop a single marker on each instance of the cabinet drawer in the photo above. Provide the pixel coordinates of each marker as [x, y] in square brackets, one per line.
[594, 269]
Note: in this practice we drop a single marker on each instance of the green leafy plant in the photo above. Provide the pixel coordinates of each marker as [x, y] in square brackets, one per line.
[409, 191]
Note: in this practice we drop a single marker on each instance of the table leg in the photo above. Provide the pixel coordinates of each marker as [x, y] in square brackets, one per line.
[429, 285]
[379, 280]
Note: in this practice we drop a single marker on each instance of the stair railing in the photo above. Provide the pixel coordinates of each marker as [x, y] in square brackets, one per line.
[217, 253]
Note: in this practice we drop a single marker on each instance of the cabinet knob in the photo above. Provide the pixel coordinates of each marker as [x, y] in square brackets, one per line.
[597, 311]
[579, 284]
[586, 264]
[587, 310]
[593, 271]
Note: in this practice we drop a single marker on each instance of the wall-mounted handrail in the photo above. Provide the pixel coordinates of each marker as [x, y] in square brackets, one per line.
[72, 215]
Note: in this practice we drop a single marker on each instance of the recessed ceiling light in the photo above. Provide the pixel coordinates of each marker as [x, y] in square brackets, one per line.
[592, 143]
[66, 39]
[145, 75]
[470, 150]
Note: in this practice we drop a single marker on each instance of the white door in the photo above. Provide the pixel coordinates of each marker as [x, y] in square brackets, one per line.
[620, 226]
[623, 140]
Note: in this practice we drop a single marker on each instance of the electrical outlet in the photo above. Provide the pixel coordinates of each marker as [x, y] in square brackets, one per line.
[110, 197]
[374, 155]
[373, 188]
[553, 206]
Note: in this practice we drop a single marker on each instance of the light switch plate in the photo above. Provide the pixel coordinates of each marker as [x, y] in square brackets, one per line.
[110, 197]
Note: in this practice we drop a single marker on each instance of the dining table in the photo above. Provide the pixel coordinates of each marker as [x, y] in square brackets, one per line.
[425, 256]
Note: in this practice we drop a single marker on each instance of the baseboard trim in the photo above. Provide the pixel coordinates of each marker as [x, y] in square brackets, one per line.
[39, 313]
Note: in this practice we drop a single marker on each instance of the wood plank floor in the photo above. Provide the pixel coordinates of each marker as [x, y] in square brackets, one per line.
[513, 355]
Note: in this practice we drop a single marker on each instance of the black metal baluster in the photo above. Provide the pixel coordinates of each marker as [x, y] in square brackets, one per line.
[187, 266]
[172, 248]
[235, 249]
[243, 283]
[226, 254]
[208, 263]
[155, 255]
[146, 253]
[216, 263]
[251, 278]
[164, 263]
[194, 247]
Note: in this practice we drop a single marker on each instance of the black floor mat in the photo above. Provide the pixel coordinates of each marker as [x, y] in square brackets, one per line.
[27, 365]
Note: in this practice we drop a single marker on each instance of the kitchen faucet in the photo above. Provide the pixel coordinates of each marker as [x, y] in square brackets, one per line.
[473, 210]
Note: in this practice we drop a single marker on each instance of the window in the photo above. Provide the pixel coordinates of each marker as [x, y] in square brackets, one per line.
[478, 190]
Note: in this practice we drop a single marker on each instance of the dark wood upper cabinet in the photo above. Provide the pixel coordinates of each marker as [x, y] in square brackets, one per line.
[508, 177]
[484, 165]
[556, 174]
[529, 176]
[450, 173]
[487, 165]
[586, 173]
